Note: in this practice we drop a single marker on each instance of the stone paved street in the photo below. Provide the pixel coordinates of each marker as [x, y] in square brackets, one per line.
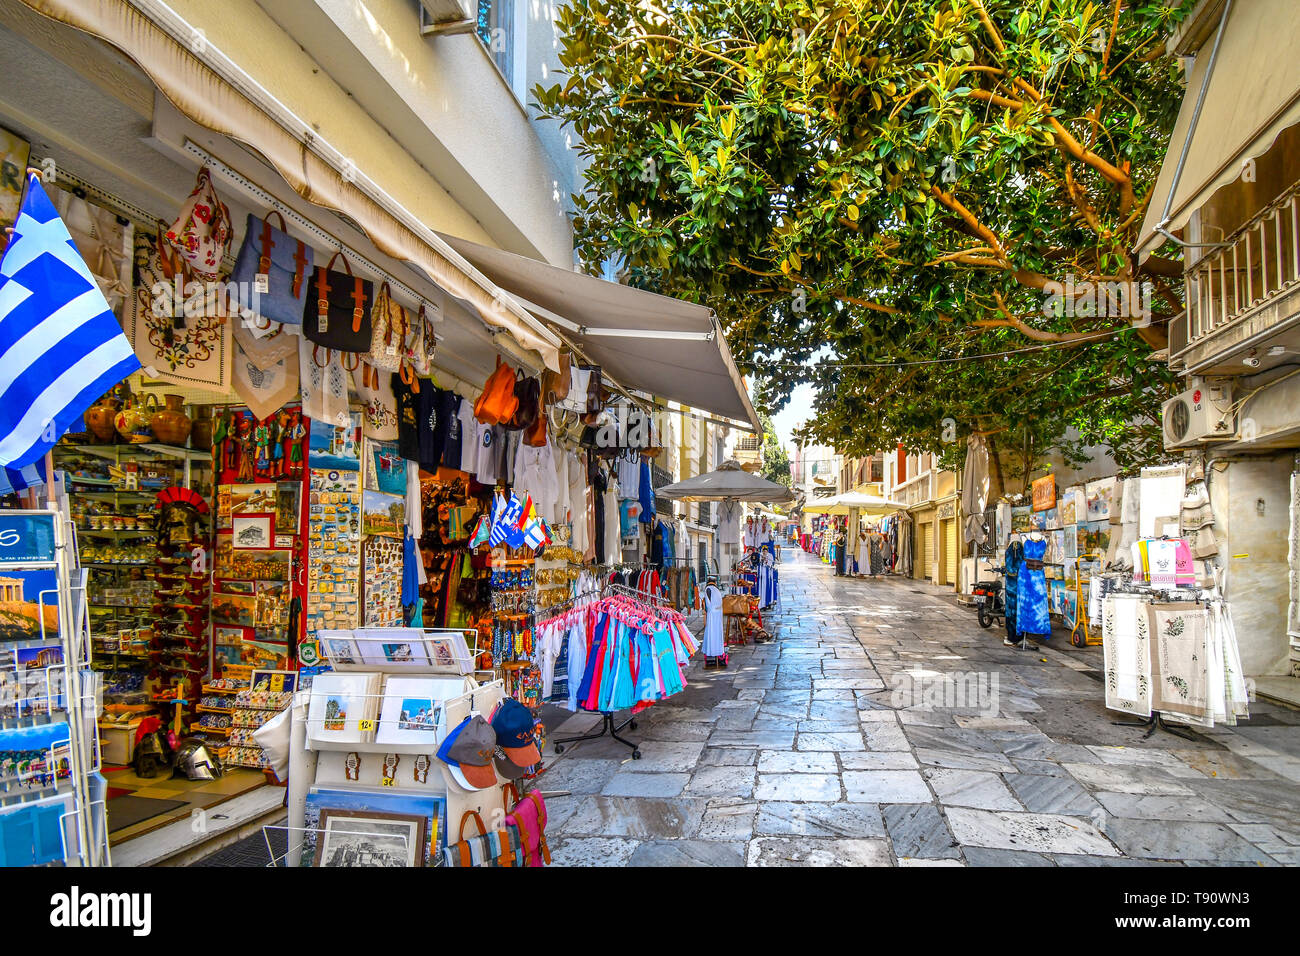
[845, 743]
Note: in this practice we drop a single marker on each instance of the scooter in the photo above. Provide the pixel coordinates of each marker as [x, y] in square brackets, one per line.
[990, 600]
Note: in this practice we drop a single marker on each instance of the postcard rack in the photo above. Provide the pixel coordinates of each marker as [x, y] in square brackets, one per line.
[391, 769]
[52, 798]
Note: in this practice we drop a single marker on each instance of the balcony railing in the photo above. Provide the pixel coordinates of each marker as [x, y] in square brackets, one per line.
[1257, 261]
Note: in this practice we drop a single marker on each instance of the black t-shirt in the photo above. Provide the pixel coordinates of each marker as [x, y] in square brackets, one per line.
[408, 418]
[433, 427]
[452, 442]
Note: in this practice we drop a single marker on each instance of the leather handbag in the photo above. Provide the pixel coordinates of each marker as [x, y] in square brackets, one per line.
[389, 326]
[595, 395]
[555, 385]
[337, 314]
[496, 848]
[275, 267]
[528, 395]
[498, 403]
[528, 816]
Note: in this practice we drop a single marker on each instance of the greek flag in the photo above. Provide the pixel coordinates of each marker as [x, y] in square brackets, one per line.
[505, 525]
[60, 346]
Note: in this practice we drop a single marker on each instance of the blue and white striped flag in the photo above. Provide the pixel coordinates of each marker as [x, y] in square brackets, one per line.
[60, 346]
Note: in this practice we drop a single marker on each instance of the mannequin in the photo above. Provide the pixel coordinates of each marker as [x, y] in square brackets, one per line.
[864, 558]
[713, 644]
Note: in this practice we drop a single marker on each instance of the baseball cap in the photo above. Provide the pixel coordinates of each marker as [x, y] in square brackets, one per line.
[468, 750]
[516, 736]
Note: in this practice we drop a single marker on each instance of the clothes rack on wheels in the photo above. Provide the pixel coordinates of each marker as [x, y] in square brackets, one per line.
[607, 723]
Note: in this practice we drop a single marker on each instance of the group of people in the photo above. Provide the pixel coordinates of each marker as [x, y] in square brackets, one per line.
[871, 556]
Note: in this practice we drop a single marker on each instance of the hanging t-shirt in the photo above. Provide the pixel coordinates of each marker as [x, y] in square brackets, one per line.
[647, 494]
[470, 436]
[629, 474]
[407, 404]
[629, 510]
[729, 522]
[487, 466]
[450, 411]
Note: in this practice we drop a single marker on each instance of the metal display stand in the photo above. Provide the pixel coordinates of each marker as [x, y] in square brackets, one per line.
[68, 774]
[315, 762]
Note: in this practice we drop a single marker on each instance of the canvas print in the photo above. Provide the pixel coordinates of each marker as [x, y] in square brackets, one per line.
[251, 499]
[334, 447]
[383, 514]
[1093, 537]
[1020, 518]
[240, 609]
[1100, 495]
[387, 468]
[287, 506]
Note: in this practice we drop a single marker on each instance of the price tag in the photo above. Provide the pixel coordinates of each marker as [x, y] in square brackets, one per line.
[277, 683]
[322, 323]
[365, 725]
[262, 283]
[391, 350]
[388, 782]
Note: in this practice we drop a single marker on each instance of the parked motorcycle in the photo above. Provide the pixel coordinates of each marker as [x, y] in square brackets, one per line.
[990, 600]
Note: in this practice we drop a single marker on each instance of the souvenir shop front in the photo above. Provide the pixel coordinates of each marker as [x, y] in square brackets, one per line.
[330, 475]
[1132, 564]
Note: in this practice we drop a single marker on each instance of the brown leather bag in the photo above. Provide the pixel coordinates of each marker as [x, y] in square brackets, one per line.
[535, 434]
[497, 404]
[528, 393]
[555, 385]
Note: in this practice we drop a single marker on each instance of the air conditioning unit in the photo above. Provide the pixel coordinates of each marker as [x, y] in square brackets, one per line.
[1200, 414]
[443, 17]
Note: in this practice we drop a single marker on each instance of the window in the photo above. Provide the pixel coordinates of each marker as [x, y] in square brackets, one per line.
[495, 27]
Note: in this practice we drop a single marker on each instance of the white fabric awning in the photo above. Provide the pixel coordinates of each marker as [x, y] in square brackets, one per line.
[1253, 95]
[868, 505]
[213, 91]
[668, 348]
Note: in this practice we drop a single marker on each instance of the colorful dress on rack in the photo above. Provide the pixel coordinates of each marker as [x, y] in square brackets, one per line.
[1031, 601]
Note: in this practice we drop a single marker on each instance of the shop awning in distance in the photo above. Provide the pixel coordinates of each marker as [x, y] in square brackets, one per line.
[668, 348]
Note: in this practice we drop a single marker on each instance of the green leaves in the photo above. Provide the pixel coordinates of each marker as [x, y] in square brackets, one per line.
[852, 184]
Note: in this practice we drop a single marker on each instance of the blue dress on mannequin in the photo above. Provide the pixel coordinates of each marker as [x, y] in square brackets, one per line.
[1031, 598]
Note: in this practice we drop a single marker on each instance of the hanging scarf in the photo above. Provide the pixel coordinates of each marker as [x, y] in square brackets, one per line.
[1126, 649]
[1181, 660]
[379, 405]
[266, 369]
[324, 389]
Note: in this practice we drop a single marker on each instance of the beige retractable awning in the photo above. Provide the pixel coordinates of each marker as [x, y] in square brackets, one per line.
[1253, 95]
[215, 93]
[668, 348]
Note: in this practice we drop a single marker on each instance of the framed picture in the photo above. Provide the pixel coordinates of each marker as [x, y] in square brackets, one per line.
[370, 838]
[1099, 495]
[1020, 518]
[251, 499]
[432, 808]
[253, 532]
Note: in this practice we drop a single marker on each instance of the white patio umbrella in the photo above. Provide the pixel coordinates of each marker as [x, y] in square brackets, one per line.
[869, 506]
[729, 482]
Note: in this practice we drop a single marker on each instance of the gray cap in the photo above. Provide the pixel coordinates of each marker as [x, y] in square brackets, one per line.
[469, 751]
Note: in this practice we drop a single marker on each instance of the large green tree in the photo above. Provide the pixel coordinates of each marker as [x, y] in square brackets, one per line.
[859, 187]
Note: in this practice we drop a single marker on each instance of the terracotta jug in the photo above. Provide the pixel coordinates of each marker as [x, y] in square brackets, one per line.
[99, 419]
[171, 425]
